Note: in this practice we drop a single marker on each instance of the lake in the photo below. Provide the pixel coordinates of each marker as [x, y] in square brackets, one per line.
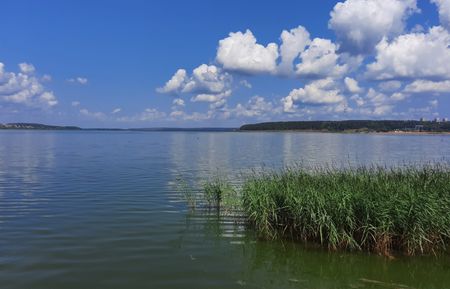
[101, 209]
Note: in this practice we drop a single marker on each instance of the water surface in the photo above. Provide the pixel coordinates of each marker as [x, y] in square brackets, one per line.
[89, 209]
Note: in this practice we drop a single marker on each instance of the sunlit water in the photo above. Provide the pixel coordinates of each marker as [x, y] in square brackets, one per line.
[101, 210]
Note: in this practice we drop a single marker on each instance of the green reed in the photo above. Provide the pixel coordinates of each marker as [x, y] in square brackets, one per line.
[377, 209]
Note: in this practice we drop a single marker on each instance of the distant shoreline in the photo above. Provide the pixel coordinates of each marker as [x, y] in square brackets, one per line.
[352, 132]
[387, 127]
[355, 126]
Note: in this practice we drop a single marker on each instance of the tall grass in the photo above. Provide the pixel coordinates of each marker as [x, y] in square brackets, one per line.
[373, 209]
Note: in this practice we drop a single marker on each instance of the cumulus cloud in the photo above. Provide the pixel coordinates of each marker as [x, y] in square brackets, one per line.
[320, 60]
[375, 103]
[390, 85]
[207, 79]
[176, 83]
[444, 12]
[26, 68]
[178, 102]
[257, 106]
[24, 87]
[414, 55]
[240, 52]
[204, 97]
[369, 32]
[360, 24]
[319, 92]
[208, 83]
[293, 42]
[422, 86]
[204, 79]
[78, 80]
[352, 85]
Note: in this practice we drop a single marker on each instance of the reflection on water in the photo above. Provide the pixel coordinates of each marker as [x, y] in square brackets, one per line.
[199, 155]
[99, 210]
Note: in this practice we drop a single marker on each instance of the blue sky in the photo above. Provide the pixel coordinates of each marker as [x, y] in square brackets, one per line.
[211, 63]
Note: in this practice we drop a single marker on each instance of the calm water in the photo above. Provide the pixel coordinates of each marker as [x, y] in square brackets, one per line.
[100, 210]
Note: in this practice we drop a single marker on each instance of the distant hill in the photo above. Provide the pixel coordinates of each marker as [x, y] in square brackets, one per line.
[39, 126]
[352, 126]
[23, 125]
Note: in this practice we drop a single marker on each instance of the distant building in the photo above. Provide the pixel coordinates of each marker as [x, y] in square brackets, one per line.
[445, 119]
[423, 119]
[437, 119]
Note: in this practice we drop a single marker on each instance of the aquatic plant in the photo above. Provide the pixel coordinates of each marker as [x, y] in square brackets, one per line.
[369, 208]
[189, 195]
[216, 194]
[220, 194]
[377, 209]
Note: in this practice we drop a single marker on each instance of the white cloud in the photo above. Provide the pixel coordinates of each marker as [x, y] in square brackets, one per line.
[27, 68]
[245, 83]
[240, 52]
[204, 97]
[195, 116]
[320, 60]
[398, 96]
[78, 80]
[116, 110]
[383, 109]
[422, 86]
[207, 79]
[208, 83]
[390, 85]
[352, 85]
[178, 102]
[257, 106]
[293, 42]
[415, 55]
[151, 114]
[377, 104]
[444, 12]
[75, 103]
[376, 97]
[46, 78]
[361, 24]
[176, 83]
[321, 92]
[24, 88]
[358, 100]
[90, 114]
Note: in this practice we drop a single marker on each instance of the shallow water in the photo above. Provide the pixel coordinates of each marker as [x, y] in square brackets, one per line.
[87, 209]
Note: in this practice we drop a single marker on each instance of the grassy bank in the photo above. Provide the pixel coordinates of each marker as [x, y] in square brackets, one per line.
[380, 210]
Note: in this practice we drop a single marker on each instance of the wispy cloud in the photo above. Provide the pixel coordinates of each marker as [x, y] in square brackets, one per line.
[78, 80]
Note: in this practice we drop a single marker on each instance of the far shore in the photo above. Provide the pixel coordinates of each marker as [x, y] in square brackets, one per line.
[354, 132]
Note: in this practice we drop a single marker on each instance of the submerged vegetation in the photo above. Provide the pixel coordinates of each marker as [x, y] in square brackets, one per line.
[372, 209]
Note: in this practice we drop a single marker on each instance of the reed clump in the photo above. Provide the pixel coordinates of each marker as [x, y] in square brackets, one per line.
[376, 209]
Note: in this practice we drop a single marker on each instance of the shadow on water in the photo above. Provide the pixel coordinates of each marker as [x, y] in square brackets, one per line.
[285, 264]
